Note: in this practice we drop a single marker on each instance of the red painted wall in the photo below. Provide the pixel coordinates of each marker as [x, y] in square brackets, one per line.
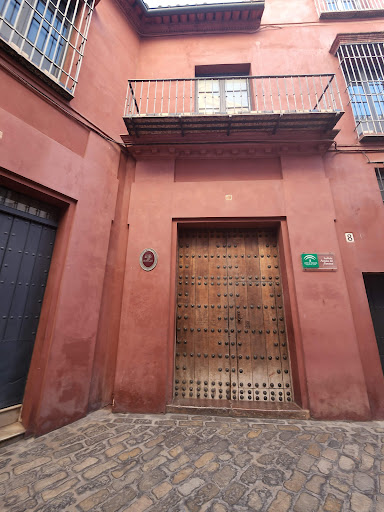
[49, 152]
[343, 374]
[100, 307]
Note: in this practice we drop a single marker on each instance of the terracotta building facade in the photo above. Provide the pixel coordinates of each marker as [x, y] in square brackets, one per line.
[191, 206]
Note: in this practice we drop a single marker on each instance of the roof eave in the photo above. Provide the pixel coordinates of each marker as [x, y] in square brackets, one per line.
[211, 18]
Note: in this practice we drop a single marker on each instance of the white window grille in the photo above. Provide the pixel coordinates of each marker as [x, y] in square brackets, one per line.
[363, 69]
[50, 34]
[341, 5]
[329, 6]
[380, 180]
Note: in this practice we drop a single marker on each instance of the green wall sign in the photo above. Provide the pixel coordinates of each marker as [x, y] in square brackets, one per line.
[310, 260]
[318, 261]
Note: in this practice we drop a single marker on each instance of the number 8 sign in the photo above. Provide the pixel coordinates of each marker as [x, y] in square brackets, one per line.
[349, 237]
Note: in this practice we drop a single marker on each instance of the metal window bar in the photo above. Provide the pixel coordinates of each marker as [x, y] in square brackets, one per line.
[263, 93]
[301, 94]
[146, 107]
[246, 94]
[51, 34]
[80, 35]
[324, 95]
[22, 203]
[329, 6]
[380, 180]
[154, 100]
[270, 92]
[169, 96]
[363, 69]
[73, 41]
[278, 93]
[190, 97]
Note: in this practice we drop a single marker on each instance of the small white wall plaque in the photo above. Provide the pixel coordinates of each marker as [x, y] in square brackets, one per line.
[349, 237]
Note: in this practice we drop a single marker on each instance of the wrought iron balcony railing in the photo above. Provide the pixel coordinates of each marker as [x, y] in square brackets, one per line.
[230, 104]
[349, 8]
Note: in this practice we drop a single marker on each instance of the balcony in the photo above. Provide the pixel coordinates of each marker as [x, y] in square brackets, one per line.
[335, 9]
[232, 105]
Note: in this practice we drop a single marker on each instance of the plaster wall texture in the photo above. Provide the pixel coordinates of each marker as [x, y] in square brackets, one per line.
[110, 59]
[352, 202]
[46, 149]
[101, 307]
[305, 199]
[359, 210]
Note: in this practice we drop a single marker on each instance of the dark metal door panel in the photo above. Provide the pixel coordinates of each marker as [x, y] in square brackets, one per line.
[24, 267]
[27, 250]
[10, 268]
[5, 227]
[374, 284]
[38, 282]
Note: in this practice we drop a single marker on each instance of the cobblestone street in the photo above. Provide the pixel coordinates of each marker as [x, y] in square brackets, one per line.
[133, 463]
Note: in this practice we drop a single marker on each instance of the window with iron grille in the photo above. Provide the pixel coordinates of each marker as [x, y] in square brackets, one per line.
[349, 8]
[341, 5]
[363, 69]
[380, 180]
[50, 34]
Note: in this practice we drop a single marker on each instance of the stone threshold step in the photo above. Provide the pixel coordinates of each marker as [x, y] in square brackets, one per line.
[238, 409]
[10, 415]
[13, 432]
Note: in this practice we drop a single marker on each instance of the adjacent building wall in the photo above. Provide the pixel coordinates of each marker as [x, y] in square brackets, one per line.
[54, 149]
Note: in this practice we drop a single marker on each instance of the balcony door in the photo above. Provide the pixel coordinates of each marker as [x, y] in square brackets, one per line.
[222, 95]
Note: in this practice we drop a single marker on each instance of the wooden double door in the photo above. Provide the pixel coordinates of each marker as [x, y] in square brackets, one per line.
[231, 341]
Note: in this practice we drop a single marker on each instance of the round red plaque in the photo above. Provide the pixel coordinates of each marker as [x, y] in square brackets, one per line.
[148, 259]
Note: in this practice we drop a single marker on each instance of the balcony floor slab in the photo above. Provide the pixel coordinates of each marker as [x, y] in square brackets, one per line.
[270, 122]
[353, 13]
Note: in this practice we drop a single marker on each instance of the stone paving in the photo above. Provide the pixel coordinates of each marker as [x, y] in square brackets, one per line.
[134, 463]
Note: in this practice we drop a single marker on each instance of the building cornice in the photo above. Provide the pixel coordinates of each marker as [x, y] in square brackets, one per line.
[255, 146]
[193, 19]
[356, 38]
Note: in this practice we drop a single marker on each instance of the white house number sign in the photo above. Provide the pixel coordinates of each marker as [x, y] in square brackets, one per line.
[349, 237]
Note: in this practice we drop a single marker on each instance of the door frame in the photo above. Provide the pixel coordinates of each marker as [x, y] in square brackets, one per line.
[295, 345]
[66, 208]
